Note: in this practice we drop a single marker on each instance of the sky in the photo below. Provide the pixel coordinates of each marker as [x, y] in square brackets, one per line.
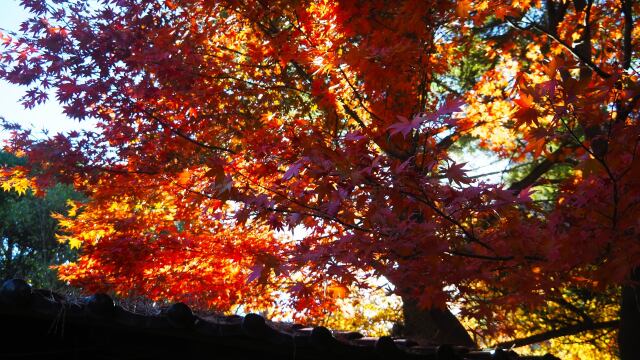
[47, 116]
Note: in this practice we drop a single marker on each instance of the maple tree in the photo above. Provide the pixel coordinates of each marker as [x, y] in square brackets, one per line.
[222, 124]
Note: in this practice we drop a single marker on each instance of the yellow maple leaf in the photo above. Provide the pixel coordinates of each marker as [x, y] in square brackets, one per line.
[6, 186]
[21, 185]
[74, 243]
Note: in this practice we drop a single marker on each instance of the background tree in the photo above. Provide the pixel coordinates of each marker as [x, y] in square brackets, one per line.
[28, 231]
[220, 119]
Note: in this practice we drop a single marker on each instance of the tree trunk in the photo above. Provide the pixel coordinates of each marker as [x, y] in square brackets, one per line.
[629, 333]
[433, 326]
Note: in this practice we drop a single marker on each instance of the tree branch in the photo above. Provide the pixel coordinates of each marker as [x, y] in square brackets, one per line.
[185, 136]
[574, 309]
[556, 333]
[449, 218]
[627, 47]
[625, 111]
[357, 94]
[539, 170]
[444, 85]
[555, 14]
[498, 172]
[587, 62]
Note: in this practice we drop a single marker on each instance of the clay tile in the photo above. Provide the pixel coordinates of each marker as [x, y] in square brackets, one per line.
[386, 347]
[480, 355]
[254, 326]
[128, 318]
[322, 338]
[304, 331]
[100, 304]
[348, 335]
[499, 354]
[406, 343]
[232, 319]
[180, 316]
[16, 292]
[446, 352]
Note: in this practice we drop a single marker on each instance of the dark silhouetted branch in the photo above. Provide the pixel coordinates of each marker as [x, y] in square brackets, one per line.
[556, 333]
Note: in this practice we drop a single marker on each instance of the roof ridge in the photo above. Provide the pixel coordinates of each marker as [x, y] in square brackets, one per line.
[26, 309]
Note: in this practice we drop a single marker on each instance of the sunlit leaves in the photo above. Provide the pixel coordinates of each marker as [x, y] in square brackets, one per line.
[15, 179]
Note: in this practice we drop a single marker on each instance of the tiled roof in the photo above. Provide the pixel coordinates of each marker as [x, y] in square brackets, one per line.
[45, 325]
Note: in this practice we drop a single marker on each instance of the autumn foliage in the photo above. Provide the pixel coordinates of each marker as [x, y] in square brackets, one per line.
[223, 124]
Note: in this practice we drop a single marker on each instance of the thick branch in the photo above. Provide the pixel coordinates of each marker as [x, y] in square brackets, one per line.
[539, 170]
[583, 47]
[447, 141]
[555, 14]
[567, 305]
[556, 333]
[627, 34]
[498, 172]
[533, 176]
[444, 85]
[625, 111]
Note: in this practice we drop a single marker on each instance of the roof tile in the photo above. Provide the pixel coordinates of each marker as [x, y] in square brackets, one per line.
[47, 323]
